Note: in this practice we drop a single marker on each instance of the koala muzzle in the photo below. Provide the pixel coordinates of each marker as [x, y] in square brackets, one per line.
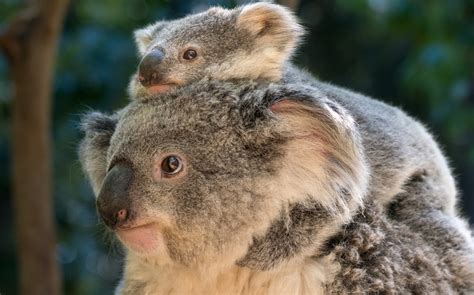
[148, 72]
[113, 202]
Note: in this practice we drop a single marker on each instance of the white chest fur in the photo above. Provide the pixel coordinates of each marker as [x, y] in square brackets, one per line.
[302, 278]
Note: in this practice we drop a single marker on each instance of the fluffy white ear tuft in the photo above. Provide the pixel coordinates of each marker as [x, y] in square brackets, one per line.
[274, 21]
[142, 39]
[323, 146]
[144, 36]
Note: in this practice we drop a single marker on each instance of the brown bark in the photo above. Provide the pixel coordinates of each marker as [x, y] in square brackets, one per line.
[29, 43]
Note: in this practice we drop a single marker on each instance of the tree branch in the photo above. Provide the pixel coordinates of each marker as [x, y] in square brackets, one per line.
[29, 43]
[15, 32]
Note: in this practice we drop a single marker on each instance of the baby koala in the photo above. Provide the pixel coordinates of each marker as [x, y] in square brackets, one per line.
[249, 42]
[256, 42]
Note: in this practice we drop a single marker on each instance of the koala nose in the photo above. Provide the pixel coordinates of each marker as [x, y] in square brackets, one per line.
[113, 202]
[148, 69]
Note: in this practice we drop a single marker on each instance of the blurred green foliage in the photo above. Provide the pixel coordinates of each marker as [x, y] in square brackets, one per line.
[418, 55]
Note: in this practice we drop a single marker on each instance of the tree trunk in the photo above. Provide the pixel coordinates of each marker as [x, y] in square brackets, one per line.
[29, 44]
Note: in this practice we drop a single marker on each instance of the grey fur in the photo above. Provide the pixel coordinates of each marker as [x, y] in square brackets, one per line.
[92, 151]
[246, 42]
[379, 159]
[398, 146]
[387, 256]
[234, 142]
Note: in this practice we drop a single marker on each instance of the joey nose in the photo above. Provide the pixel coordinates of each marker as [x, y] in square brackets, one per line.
[113, 202]
[148, 73]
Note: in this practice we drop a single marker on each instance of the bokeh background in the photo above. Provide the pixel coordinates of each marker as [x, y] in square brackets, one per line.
[418, 55]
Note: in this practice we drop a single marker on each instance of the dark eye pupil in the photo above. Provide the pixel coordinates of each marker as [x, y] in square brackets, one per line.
[171, 165]
[190, 54]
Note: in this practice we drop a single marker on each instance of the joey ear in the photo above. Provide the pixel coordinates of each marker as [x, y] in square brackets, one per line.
[273, 22]
[144, 37]
[98, 129]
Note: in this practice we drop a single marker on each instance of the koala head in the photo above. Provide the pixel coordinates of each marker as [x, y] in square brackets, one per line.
[251, 41]
[220, 173]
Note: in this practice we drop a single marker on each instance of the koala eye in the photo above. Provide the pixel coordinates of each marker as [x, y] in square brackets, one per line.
[190, 54]
[171, 165]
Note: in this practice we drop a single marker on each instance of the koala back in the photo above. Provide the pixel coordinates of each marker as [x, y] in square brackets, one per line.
[397, 146]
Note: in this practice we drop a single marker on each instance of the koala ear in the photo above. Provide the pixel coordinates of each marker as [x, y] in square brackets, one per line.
[271, 23]
[323, 144]
[255, 104]
[144, 36]
[98, 124]
[98, 129]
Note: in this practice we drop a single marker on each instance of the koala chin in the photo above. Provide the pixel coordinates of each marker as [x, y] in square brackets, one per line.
[245, 188]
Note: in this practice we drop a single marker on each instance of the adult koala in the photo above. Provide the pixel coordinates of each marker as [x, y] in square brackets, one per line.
[257, 42]
[242, 188]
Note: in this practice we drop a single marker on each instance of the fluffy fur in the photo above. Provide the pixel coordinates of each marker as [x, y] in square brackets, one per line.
[277, 197]
[289, 186]
[256, 41]
[98, 129]
[251, 41]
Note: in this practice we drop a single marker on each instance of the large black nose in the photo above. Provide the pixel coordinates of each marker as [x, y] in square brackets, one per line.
[113, 202]
[148, 73]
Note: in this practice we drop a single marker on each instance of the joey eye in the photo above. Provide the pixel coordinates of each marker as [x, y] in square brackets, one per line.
[190, 54]
[171, 165]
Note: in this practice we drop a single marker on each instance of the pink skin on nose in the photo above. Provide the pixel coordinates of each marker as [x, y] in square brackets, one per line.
[157, 88]
[122, 215]
[142, 239]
